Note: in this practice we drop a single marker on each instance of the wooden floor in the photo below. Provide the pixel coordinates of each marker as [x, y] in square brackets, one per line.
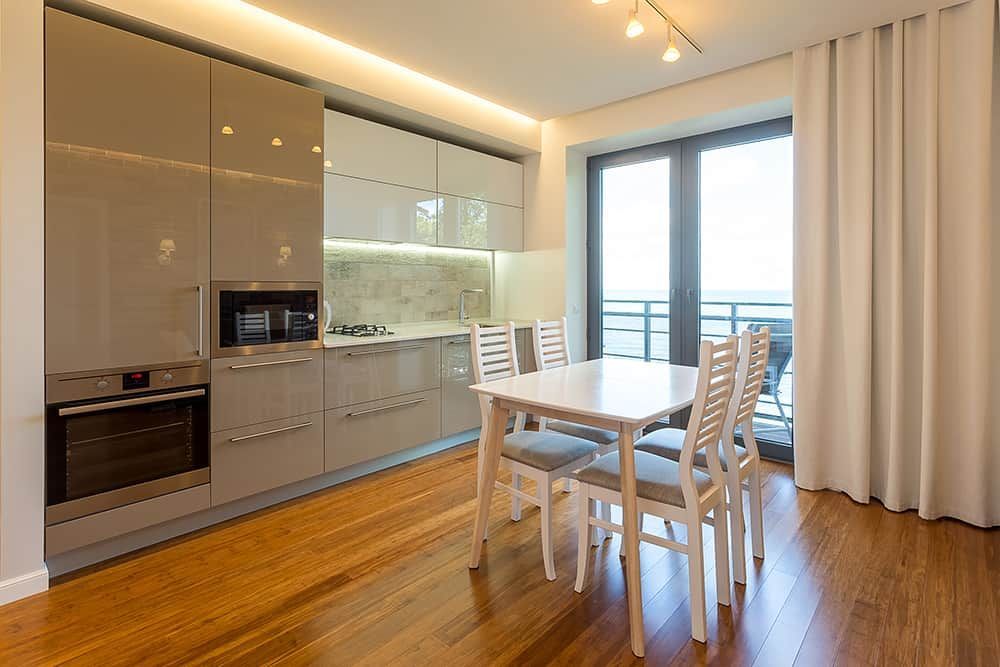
[374, 572]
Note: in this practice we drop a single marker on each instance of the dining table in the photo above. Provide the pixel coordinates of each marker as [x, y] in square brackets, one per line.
[622, 395]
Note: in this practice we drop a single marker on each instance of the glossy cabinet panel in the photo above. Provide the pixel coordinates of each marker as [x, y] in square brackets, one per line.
[525, 351]
[127, 190]
[267, 178]
[474, 175]
[370, 372]
[263, 387]
[459, 405]
[256, 458]
[369, 430]
[473, 223]
[363, 149]
[359, 209]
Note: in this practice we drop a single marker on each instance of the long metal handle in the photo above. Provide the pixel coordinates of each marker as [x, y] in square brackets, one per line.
[201, 318]
[271, 432]
[385, 407]
[272, 363]
[459, 342]
[383, 351]
[129, 402]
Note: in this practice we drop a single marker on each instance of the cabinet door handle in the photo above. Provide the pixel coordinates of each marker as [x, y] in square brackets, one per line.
[129, 402]
[384, 351]
[271, 432]
[459, 342]
[201, 318]
[385, 407]
[271, 363]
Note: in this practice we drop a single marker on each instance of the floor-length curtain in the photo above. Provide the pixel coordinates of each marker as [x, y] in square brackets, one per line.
[897, 313]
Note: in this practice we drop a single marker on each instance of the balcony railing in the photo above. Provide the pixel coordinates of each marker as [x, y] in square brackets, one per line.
[640, 329]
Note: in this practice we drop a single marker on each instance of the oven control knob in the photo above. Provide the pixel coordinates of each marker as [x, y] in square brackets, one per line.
[103, 383]
[168, 377]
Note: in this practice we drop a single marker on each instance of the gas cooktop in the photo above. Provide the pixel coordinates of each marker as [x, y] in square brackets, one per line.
[360, 330]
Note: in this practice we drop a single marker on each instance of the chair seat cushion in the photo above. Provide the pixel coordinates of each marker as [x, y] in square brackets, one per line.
[668, 442]
[545, 451]
[599, 435]
[656, 478]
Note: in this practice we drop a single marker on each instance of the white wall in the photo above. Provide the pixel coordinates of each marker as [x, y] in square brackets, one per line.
[549, 278]
[22, 504]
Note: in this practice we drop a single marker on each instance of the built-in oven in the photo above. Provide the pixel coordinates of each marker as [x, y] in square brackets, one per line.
[118, 437]
[253, 318]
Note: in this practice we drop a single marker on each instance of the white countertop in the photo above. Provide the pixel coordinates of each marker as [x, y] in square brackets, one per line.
[414, 331]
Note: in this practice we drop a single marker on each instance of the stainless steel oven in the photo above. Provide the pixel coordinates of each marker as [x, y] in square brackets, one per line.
[253, 318]
[124, 435]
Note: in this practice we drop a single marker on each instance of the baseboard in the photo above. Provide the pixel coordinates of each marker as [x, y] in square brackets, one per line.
[24, 585]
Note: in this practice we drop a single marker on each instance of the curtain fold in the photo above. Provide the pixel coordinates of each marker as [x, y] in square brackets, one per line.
[897, 384]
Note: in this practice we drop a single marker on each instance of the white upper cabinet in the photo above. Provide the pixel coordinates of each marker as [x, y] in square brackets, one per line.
[467, 173]
[474, 223]
[358, 209]
[360, 148]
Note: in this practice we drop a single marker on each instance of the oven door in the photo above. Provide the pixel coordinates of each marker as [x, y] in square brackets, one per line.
[105, 454]
[256, 318]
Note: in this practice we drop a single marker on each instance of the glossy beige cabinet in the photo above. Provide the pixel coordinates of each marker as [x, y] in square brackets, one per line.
[363, 149]
[459, 405]
[127, 191]
[369, 372]
[267, 178]
[263, 387]
[370, 430]
[359, 209]
[264, 456]
[525, 351]
[474, 175]
[473, 223]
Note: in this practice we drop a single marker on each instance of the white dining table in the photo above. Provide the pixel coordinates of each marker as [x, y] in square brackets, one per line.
[621, 395]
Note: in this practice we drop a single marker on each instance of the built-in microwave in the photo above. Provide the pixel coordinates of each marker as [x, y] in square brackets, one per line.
[254, 318]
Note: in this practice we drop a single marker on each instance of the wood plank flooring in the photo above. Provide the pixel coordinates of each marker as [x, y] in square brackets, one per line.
[374, 572]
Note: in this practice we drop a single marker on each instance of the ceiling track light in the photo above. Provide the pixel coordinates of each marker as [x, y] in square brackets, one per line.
[634, 28]
[672, 54]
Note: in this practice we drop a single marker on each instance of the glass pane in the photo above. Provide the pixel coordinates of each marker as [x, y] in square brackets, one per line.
[635, 219]
[746, 262]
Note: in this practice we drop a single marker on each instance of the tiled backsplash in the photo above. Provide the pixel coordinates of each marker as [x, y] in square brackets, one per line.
[384, 283]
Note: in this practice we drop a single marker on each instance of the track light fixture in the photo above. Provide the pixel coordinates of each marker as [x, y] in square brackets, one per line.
[634, 28]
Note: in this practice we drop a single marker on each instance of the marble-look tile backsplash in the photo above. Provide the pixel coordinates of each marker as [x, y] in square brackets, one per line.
[384, 283]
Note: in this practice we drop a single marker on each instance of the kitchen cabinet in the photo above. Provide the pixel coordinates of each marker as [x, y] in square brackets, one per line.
[363, 149]
[127, 187]
[368, 372]
[359, 209]
[474, 175]
[525, 351]
[267, 178]
[473, 223]
[459, 405]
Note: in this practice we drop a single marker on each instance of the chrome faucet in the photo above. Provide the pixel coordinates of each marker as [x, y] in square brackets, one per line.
[461, 302]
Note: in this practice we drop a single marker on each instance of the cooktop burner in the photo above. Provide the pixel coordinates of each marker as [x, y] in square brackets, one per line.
[360, 330]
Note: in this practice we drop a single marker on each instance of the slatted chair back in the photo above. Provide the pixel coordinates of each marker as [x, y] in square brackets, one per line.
[751, 371]
[494, 357]
[551, 344]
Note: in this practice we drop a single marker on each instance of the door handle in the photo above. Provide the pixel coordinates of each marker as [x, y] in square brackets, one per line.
[385, 407]
[271, 363]
[385, 351]
[271, 432]
[128, 402]
[201, 319]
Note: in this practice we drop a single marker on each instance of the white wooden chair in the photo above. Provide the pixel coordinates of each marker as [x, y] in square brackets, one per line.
[540, 456]
[673, 490]
[668, 442]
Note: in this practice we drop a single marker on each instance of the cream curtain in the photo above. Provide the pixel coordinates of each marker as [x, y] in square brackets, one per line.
[897, 296]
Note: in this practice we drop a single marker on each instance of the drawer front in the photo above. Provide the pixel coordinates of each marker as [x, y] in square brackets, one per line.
[256, 458]
[264, 387]
[459, 406]
[371, 372]
[370, 430]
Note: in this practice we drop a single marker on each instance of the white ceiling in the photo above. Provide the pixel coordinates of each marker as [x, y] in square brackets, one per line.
[547, 58]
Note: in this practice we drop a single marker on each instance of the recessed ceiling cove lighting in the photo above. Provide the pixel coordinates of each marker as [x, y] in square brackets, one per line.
[635, 28]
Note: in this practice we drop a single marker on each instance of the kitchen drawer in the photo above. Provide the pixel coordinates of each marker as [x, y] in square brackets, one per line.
[264, 387]
[367, 431]
[370, 372]
[459, 405]
[256, 458]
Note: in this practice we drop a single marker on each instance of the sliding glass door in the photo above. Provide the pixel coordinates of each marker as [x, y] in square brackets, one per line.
[691, 239]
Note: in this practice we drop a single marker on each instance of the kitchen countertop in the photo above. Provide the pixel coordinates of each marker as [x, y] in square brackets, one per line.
[414, 331]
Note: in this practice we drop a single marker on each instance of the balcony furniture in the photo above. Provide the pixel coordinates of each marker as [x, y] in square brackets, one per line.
[779, 356]
[669, 443]
[540, 456]
[614, 394]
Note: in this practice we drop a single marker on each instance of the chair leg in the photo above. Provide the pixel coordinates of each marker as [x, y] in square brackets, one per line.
[735, 492]
[621, 549]
[600, 535]
[515, 502]
[756, 512]
[721, 552]
[585, 537]
[545, 500]
[696, 575]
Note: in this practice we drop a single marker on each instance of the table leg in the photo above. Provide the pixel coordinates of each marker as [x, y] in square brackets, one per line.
[499, 415]
[630, 526]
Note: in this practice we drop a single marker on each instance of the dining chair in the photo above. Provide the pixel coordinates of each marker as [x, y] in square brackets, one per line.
[675, 490]
[751, 371]
[544, 456]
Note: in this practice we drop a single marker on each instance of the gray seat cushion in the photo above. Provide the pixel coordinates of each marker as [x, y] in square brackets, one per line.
[668, 442]
[656, 478]
[598, 435]
[546, 450]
